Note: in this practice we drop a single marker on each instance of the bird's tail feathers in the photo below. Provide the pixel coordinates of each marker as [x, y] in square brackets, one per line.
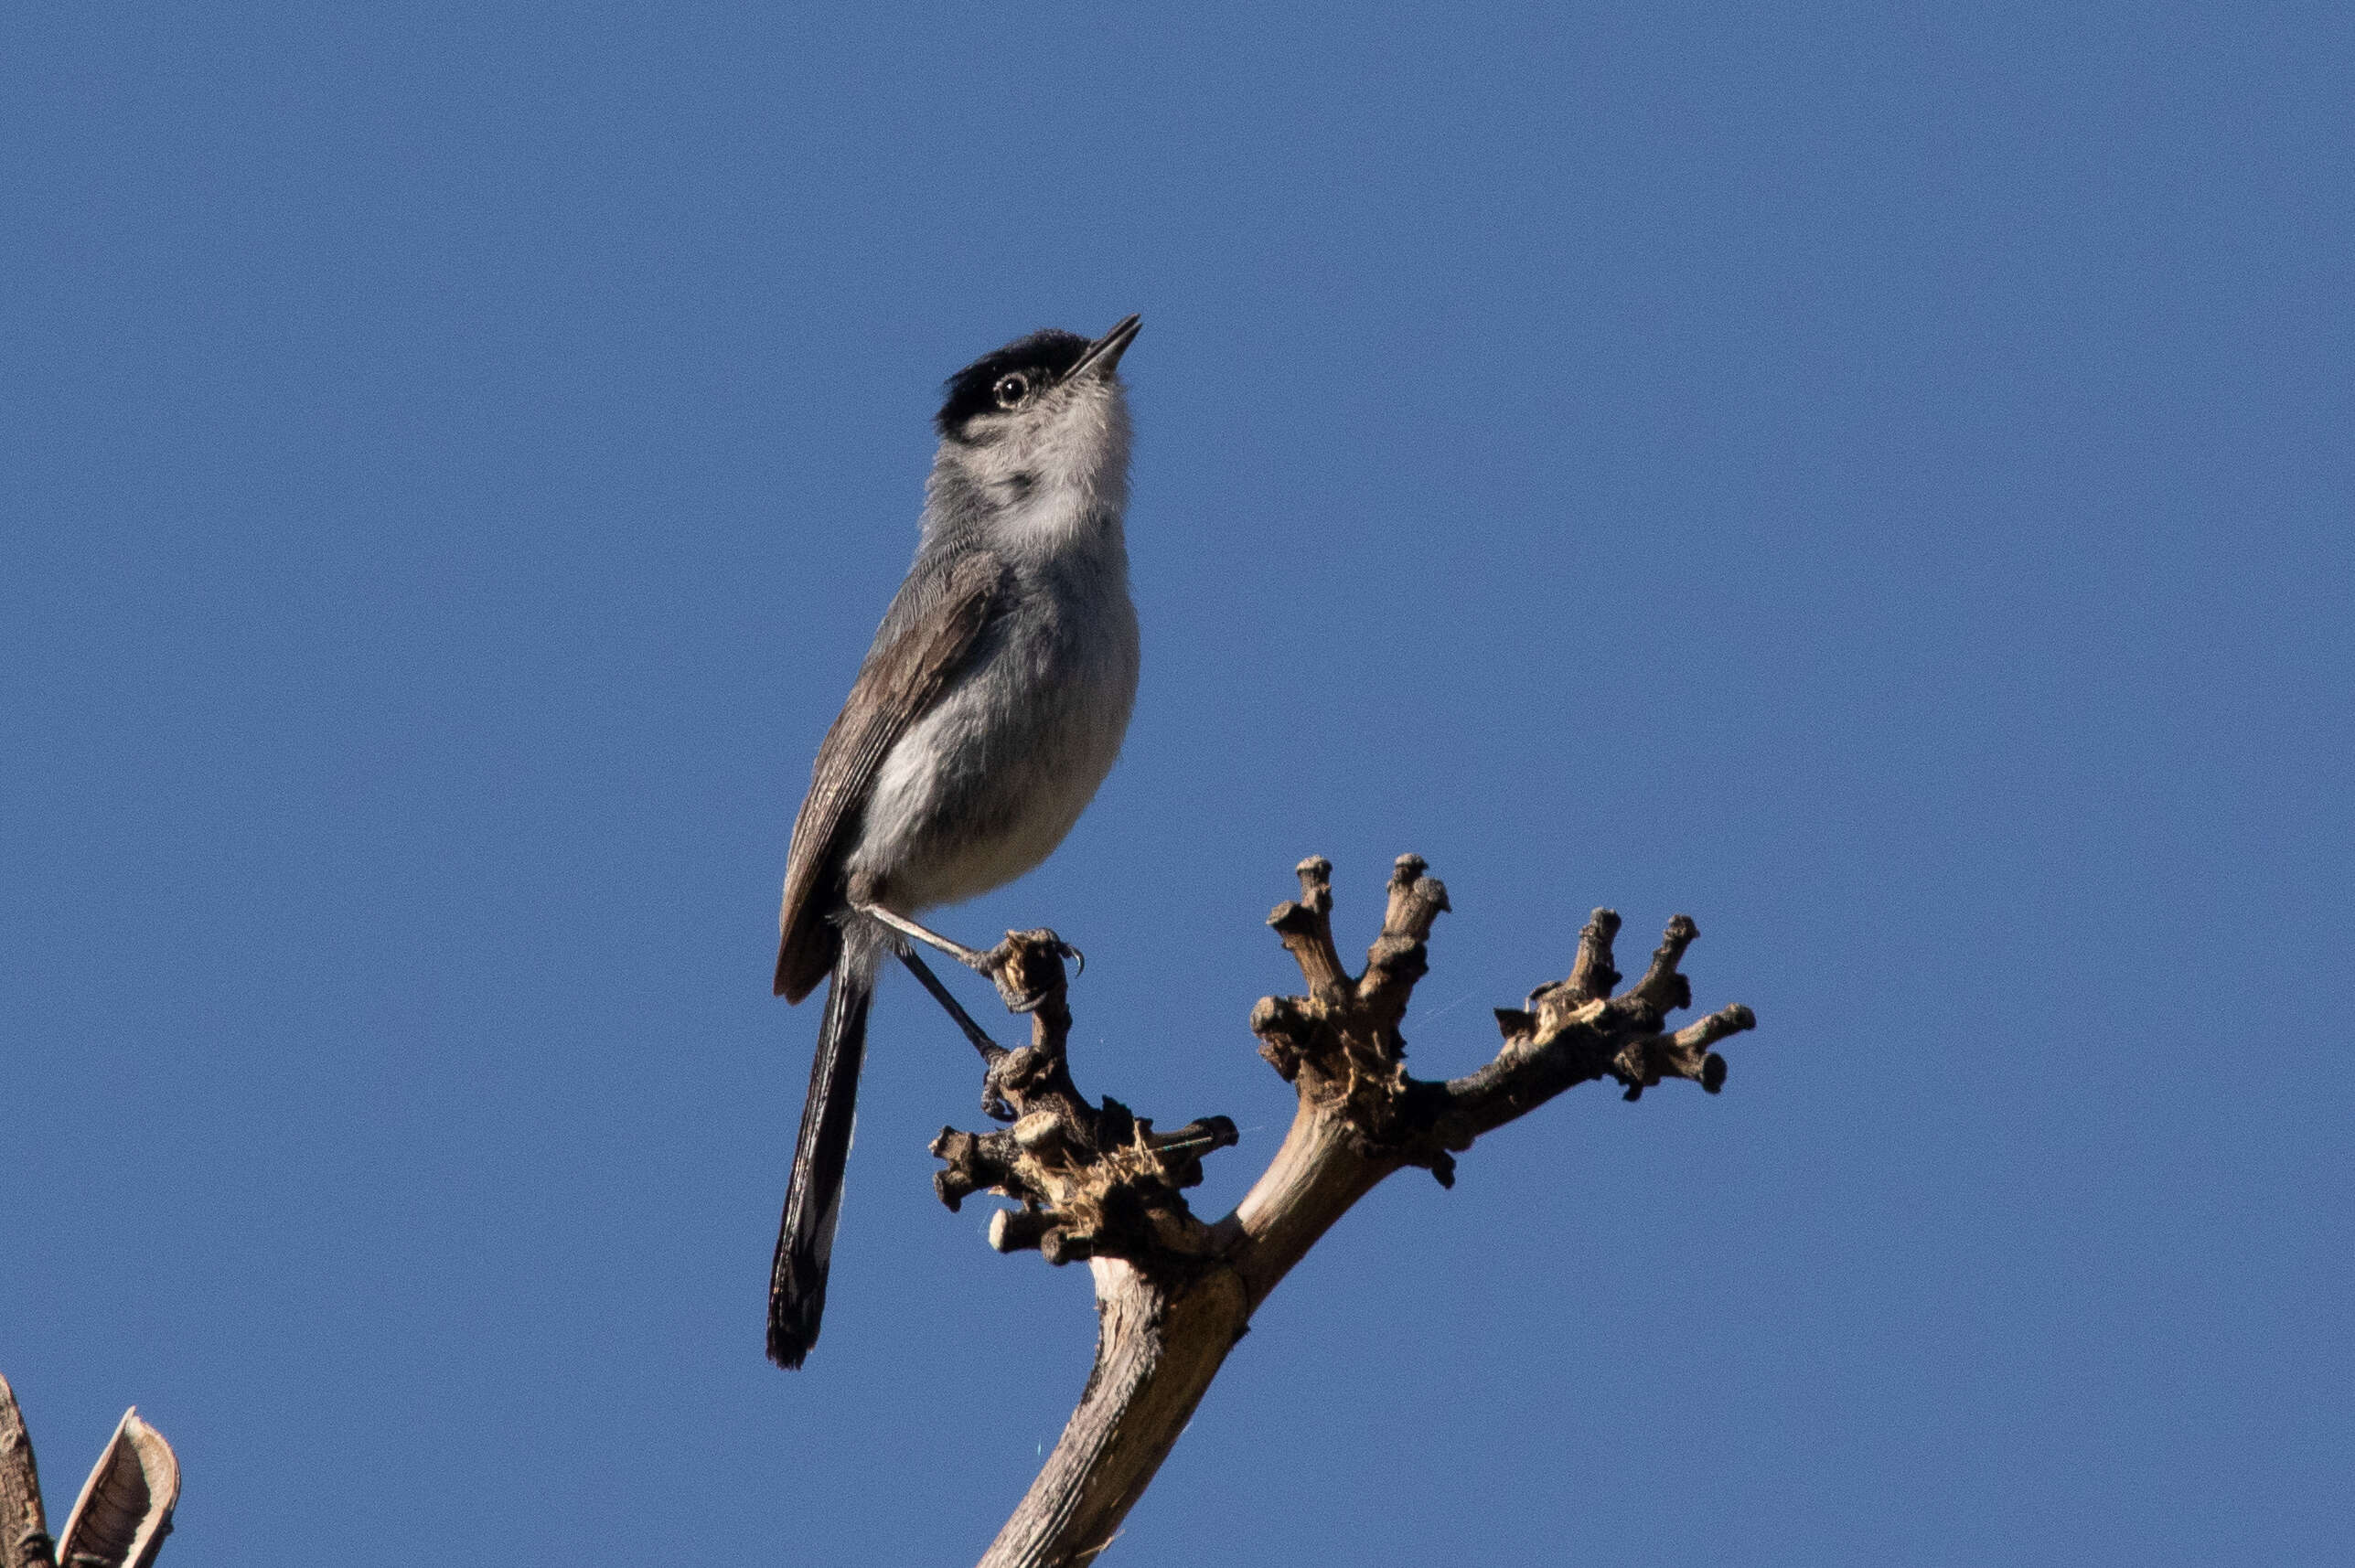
[813, 1199]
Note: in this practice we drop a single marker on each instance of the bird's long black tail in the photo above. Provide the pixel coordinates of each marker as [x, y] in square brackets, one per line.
[813, 1199]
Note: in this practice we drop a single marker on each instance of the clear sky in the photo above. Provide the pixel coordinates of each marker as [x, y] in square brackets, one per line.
[1874, 478]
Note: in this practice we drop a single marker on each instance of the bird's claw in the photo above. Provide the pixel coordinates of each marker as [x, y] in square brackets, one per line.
[1018, 967]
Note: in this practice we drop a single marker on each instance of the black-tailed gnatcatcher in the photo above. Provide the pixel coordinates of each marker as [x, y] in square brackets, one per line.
[991, 706]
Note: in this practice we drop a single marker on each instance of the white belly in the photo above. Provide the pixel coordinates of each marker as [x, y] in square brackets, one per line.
[984, 787]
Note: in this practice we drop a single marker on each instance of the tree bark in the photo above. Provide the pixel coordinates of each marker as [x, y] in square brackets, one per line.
[24, 1530]
[1173, 1295]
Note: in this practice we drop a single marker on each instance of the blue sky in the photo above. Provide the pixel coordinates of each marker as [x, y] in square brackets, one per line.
[1876, 481]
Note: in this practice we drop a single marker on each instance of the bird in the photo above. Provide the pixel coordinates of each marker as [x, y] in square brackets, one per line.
[989, 707]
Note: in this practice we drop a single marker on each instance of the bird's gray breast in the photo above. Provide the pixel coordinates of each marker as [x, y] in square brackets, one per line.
[986, 784]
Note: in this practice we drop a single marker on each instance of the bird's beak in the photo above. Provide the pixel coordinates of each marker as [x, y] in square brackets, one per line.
[1104, 354]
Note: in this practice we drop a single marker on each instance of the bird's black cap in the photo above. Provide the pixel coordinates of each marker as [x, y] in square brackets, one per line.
[1043, 358]
[1046, 356]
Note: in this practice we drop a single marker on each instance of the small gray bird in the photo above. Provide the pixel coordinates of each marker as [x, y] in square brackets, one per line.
[989, 707]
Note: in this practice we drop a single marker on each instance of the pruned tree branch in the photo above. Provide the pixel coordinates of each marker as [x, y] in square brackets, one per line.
[1174, 1294]
[1094, 1181]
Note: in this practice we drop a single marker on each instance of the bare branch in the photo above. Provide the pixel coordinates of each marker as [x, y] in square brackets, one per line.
[1174, 1294]
[24, 1530]
[1094, 1181]
[1308, 931]
[1592, 974]
[1156, 1353]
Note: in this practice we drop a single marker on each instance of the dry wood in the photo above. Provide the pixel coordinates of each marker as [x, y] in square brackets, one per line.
[120, 1520]
[23, 1531]
[1174, 1294]
[125, 1508]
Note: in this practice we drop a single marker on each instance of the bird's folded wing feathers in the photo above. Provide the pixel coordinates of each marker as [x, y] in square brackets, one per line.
[898, 684]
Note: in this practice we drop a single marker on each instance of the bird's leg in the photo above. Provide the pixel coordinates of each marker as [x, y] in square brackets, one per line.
[972, 958]
[993, 1100]
[991, 963]
[990, 1049]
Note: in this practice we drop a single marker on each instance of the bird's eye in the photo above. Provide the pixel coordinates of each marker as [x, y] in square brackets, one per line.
[1011, 390]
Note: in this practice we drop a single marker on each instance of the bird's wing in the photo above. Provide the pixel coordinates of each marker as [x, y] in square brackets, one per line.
[902, 678]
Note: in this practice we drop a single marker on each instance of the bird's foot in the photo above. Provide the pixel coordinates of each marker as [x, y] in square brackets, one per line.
[1027, 968]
